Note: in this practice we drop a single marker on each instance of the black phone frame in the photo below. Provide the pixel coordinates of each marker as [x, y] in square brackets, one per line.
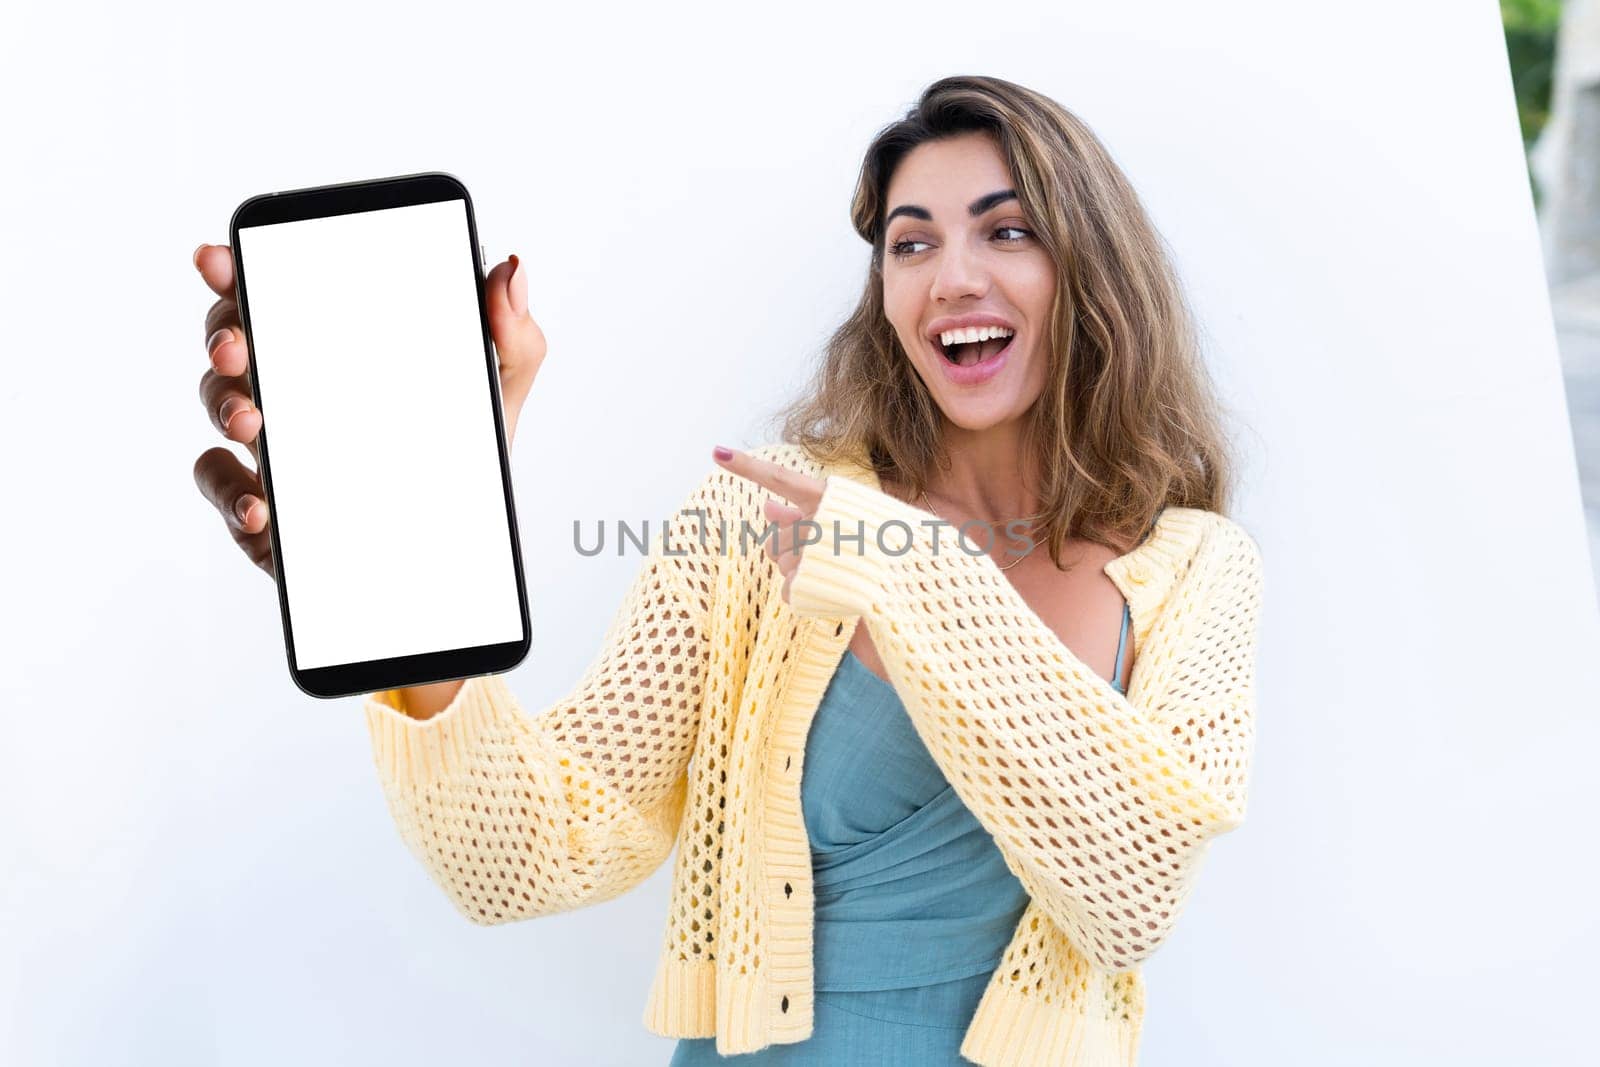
[323, 201]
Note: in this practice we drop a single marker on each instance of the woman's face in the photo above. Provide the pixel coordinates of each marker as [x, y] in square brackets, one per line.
[957, 244]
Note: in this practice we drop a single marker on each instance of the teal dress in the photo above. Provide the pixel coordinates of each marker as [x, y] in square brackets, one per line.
[914, 903]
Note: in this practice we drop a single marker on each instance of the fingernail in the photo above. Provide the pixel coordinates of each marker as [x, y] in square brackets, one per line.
[722, 453]
[196, 257]
[218, 338]
[517, 291]
[231, 408]
[242, 508]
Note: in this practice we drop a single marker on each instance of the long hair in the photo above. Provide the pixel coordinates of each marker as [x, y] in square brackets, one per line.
[1128, 422]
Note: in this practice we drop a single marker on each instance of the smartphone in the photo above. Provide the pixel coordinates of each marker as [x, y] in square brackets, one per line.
[382, 443]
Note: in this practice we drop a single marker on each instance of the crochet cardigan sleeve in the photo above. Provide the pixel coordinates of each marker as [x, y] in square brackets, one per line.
[1100, 806]
[517, 816]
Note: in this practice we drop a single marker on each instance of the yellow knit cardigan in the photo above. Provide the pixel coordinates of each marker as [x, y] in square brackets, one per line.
[689, 729]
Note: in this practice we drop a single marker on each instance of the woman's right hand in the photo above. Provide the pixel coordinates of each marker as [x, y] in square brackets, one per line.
[225, 391]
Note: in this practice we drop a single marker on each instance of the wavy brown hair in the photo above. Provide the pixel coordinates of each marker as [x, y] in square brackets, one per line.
[1128, 422]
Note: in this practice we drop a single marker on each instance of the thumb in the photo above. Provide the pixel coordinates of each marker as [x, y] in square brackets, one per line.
[517, 337]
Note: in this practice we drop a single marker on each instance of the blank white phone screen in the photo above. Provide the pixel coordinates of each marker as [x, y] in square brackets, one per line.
[379, 422]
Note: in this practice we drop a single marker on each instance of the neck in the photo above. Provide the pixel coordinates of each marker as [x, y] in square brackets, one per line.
[989, 476]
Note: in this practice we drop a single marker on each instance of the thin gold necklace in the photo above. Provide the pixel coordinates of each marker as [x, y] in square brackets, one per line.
[1028, 518]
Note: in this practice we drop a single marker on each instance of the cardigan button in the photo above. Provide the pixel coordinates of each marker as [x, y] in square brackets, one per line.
[785, 1004]
[787, 889]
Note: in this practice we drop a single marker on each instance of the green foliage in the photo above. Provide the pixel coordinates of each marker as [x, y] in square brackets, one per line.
[1531, 27]
[1546, 13]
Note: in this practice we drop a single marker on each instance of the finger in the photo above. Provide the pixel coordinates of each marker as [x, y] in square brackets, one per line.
[801, 490]
[215, 264]
[517, 337]
[232, 411]
[222, 313]
[779, 512]
[235, 492]
[787, 545]
[230, 362]
[229, 353]
[784, 518]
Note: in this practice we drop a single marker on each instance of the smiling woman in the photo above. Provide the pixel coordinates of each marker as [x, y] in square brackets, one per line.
[990, 204]
[930, 805]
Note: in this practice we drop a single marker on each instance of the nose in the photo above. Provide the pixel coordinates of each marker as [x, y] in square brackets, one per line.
[960, 274]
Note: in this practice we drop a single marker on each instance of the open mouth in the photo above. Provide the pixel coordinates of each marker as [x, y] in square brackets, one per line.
[971, 353]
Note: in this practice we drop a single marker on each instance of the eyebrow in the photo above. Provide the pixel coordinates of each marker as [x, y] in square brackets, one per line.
[976, 208]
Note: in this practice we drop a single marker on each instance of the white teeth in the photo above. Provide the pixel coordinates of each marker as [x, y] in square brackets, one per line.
[978, 333]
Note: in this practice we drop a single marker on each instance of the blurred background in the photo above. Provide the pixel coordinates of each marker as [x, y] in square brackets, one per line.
[1555, 65]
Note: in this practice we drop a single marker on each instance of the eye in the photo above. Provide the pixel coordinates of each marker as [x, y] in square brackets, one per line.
[898, 249]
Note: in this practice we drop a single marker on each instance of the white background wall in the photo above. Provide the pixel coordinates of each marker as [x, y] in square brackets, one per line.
[198, 865]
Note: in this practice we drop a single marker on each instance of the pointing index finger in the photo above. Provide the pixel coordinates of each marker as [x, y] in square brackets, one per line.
[799, 489]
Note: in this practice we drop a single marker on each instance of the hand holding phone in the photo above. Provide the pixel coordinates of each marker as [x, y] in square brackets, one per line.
[226, 391]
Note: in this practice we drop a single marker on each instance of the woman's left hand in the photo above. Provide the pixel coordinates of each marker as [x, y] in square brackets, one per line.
[802, 491]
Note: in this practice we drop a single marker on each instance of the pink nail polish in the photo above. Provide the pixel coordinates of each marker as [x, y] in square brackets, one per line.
[722, 453]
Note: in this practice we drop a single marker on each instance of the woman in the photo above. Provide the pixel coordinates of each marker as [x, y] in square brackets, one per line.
[1013, 769]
